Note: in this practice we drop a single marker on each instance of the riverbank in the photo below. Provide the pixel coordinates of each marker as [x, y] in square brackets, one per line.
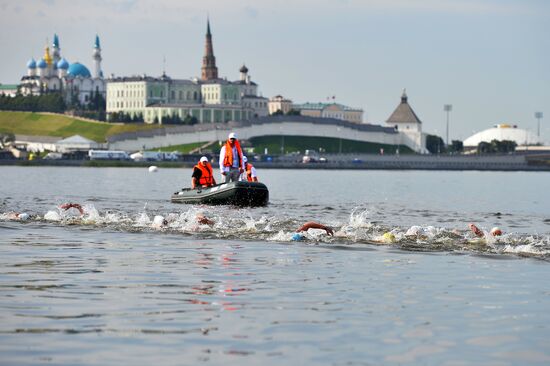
[515, 162]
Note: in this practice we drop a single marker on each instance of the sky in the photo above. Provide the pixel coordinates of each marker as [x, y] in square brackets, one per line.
[489, 59]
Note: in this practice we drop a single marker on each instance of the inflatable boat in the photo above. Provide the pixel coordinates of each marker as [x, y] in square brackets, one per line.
[232, 193]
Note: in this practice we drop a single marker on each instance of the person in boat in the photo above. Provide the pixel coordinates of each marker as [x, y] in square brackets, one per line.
[202, 174]
[67, 206]
[251, 175]
[480, 234]
[231, 159]
[311, 225]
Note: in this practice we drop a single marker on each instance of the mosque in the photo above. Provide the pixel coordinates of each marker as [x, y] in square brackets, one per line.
[53, 73]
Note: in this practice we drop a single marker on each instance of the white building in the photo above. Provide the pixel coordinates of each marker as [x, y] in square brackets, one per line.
[279, 103]
[503, 132]
[330, 110]
[53, 73]
[404, 120]
[208, 99]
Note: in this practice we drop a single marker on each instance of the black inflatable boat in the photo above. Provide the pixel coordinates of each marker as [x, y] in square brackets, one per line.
[233, 193]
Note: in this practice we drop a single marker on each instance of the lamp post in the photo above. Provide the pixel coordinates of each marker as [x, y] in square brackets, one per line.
[448, 108]
[538, 116]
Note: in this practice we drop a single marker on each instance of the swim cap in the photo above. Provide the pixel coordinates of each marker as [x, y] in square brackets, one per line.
[297, 237]
[24, 216]
[496, 231]
[388, 237]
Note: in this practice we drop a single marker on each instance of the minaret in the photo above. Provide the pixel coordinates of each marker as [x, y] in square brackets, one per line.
[56, 51]
[209, 69]
[97, 58]
[49, 62]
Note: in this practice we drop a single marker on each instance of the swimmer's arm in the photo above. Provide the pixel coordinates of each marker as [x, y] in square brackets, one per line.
[315, 225]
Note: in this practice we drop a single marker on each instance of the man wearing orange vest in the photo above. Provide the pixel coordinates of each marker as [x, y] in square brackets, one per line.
[251, 175]
[202, 174]
[231, 159]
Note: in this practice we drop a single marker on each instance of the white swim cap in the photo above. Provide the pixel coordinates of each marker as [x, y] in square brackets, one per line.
[159, 221]
[24, 216]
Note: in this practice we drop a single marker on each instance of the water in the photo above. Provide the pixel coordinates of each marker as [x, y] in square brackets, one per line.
[108, 288]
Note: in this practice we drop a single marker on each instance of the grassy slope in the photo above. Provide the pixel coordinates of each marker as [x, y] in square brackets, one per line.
[38, 124]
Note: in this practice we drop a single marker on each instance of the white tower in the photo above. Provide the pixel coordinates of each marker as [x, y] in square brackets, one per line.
[97, 58]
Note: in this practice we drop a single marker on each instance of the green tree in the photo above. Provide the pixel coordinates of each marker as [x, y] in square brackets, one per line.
[456, 146]
[293, 112]
[435, 144]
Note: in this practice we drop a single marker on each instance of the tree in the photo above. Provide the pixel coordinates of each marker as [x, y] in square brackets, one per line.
[278, 112]
[456, 146]
[435, 144]
[293, 112]
[190, 120]
[496, 146]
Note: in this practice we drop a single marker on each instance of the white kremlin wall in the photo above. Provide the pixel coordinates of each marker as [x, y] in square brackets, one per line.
[219, 132]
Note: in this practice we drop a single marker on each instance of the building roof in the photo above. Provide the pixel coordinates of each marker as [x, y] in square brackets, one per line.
[8, 86]
[403, 113]
[322, 106]
[503, 132]
[77, 69]
[76, 140]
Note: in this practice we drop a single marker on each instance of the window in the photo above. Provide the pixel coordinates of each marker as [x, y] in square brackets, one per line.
[180, 95]
[194, 95]
[173, 95]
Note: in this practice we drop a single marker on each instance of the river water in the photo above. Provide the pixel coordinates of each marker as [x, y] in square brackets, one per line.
[403, 281]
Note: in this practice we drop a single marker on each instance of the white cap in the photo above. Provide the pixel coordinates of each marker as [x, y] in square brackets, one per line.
[232, 135]
[244, 159]
[204, 158]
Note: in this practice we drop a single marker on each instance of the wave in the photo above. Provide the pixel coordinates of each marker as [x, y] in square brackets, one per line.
[359, 228]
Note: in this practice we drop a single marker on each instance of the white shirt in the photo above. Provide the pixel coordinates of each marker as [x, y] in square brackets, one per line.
[235, 159]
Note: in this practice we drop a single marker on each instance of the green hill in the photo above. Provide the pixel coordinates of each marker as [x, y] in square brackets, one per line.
[325, 144]
[46, 124]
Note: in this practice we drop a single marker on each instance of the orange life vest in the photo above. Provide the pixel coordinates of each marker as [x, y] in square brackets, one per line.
[228, 158]
[249, 172]
[206, 176]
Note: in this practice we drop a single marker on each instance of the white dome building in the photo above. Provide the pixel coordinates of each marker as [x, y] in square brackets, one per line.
[503, 132]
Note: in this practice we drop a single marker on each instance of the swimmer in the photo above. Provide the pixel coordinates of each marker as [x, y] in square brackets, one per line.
[313, 225]
[201, 219]
[67, 206]
[159, 222]
[480, 234]
[23, 216]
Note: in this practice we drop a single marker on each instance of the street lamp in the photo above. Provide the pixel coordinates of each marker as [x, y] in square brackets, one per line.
[448, 108]
[538, 116]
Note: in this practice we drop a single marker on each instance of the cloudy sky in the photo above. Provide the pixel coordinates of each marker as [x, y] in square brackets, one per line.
[490, 59]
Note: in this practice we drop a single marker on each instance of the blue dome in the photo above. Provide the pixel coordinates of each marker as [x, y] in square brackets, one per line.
[31, 64]
[63, 64]
[42, 64]
[77, 69]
